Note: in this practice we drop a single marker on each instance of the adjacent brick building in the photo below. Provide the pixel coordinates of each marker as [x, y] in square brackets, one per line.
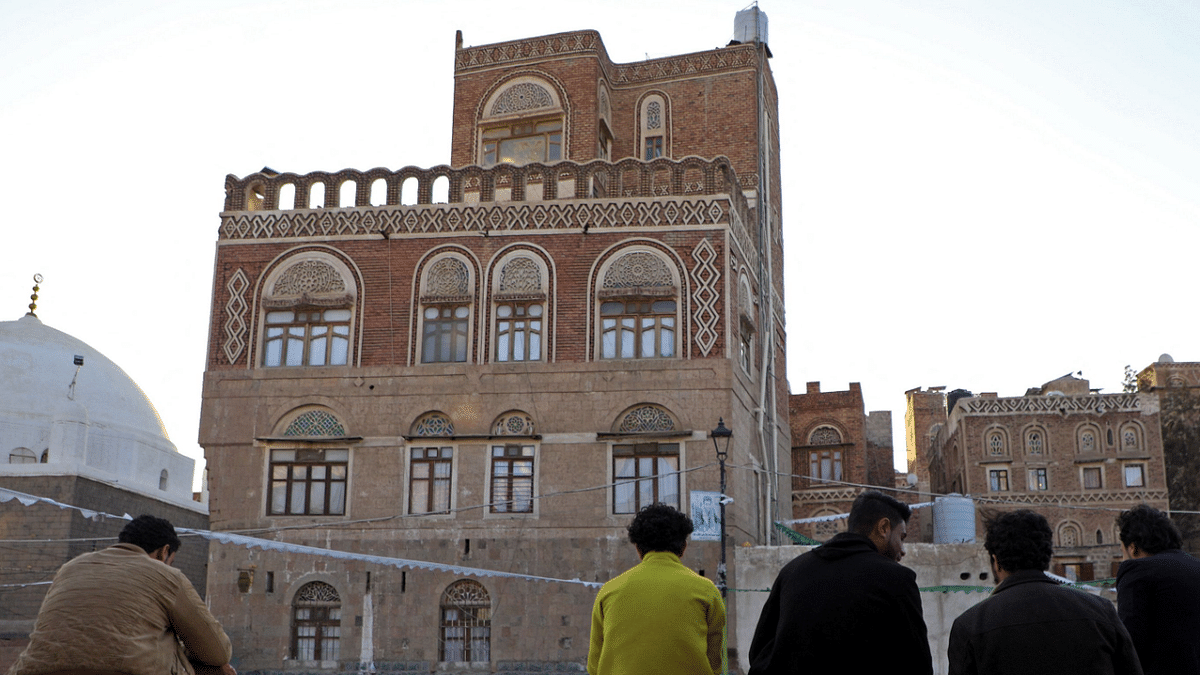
[1074, 455]
[498, 380]
[836, 447]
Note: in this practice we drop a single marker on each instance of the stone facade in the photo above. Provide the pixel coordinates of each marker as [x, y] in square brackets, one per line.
[476, 382]
[1177, 387]
[835, 440]
[1076, 457]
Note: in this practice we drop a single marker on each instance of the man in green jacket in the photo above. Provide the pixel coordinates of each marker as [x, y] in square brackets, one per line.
[659, 617]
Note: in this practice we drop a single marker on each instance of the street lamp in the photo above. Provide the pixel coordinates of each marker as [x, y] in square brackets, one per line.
[720, 439]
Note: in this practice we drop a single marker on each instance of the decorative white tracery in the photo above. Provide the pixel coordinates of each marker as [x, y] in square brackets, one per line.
[521, 275]
[825, 436]
[447, 277]
[318, 592]
[646, 418]
[309, 276]
[466, 593]
[434, 424]
[515, 423]
[705, 276]
[639, 269]
[520, 97]
[315, 423]
[235, 315]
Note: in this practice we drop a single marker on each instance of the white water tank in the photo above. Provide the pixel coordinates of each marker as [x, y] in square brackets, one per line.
[953, 520]
[750, 25]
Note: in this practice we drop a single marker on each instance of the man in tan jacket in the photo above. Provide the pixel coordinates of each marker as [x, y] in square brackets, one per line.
[125, 610]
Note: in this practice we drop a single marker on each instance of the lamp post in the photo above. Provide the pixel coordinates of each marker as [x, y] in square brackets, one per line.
[720, 439]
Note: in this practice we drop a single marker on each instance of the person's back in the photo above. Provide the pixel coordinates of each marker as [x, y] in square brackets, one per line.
[1032, 625]
[120, 610]
[1158, 593]
[847, 606]
[658, 617]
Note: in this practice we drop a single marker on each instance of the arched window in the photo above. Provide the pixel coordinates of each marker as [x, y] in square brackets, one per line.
[746, 324]
[513, 423]
[466, 626]
[431, 465]
[305, 480]
[162, 480]
[446, 300]
[309, 309]
[1035, 443]
[1087, 440]
[823, 530]
[645, 472]
[639, 310]
[316, 623]
[654, 126]
[22, 456]
[996, 443]
[825, 463]
[1131, 437]
[522, 123]
[520, 307]
[1069, 535]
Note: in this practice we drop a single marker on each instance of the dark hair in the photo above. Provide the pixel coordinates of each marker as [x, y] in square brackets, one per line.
[1020, 540]
[659, 527]
[872, 506]
[1149, 528]
[150, 534]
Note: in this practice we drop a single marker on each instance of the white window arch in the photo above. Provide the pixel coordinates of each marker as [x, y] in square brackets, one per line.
[654, 123]
[638, 307]
[308, 312]
[447, 308]
[316, 623]
[519, 304]
[522, 122]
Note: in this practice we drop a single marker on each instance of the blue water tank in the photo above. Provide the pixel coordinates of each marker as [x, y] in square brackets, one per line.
[953, 520]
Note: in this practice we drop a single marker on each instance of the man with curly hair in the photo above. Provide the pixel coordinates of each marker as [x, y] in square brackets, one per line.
[124, 610]
[1158, 593]
[848, 605]
[1030, 625]
[659, 617]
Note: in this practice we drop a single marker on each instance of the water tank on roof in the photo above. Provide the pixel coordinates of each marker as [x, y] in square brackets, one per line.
[953, 520]
[750, 25]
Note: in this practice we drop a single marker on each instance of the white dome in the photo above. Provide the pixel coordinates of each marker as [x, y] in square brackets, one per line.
[37, 364]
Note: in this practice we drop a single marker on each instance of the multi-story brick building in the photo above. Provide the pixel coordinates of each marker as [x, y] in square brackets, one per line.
[502, 379]
[1177, 387]
[1074, 455]
[836, 447]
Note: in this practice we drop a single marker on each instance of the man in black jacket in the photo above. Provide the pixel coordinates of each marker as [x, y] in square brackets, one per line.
[847, 606]
[1158, 593]
[1030, 625]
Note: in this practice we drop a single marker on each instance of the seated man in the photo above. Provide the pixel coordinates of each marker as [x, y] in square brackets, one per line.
[1030, 625]
[1158, 593]
[124, 609]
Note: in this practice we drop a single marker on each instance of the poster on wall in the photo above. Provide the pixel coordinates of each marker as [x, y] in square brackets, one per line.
[706, 516]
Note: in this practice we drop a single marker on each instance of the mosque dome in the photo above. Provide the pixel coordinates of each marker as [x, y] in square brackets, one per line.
[38, 369]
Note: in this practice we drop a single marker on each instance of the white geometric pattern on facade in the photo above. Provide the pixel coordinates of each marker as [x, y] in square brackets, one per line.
[315, 423]
[653, 115]
[434, 424]
[309, 276]
[705, 276]
[235, 315]
[513, 424]
[825, 436]
[745, 299]
[506, 216]
[646, 418]
[1053, 404]
[639, 269]
[1093, 497]
[318, 592]
[521, 275]
[447, 277]
[466, 593]
[520, 97]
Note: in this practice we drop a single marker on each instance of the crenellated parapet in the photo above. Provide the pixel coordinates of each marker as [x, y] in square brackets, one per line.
[587, 42]
[564, 195]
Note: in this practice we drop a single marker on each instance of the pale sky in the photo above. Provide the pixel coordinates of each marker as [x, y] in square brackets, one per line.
[985, 197]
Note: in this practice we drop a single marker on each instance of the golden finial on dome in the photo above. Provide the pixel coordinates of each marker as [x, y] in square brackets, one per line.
[37, 279]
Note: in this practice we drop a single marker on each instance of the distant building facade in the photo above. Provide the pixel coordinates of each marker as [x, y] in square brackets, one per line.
[1076, 456]
[837, 447]
[1177, 386]
[499, 381]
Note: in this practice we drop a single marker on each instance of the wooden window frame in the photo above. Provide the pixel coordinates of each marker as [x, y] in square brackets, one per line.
[521, 313]
[1141, 474]
[1096, 471]
[639, 315]
[653, 147]
[489, 146]
[646, 451]
[816, 465]
[303, 329]
[447, 334]
[509, 488]
[1039, 479]
[998, 480]
[283, 473]
[323, 619]
[445, 456]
